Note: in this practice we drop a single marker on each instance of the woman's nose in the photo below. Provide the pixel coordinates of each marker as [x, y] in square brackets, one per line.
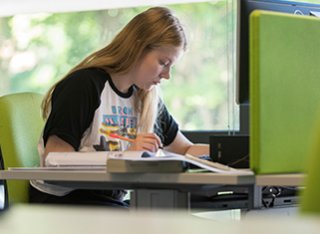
[165, 74]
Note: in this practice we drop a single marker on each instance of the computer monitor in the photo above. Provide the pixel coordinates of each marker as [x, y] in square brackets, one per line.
[245, 7]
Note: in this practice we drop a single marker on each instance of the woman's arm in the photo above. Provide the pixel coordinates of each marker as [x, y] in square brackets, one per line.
[56, 144]
[182, 145]
[199, 149]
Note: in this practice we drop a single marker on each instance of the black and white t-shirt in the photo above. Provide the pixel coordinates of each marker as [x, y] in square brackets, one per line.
[85, 108]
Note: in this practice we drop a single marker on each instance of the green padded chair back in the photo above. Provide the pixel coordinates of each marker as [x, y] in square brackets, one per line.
[20, 128]
[310, 195]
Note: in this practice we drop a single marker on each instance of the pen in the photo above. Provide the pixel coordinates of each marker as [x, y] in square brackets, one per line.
[114, 135]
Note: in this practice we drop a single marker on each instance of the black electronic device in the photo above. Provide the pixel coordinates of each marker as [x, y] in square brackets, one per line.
[244, 8]
[231, 150]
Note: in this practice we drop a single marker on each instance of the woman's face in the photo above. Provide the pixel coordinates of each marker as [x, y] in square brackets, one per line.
[155, 65]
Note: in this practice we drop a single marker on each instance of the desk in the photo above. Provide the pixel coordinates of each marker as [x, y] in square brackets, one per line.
[294, 180]
[73, 220]
[280, 180]
[151, 190]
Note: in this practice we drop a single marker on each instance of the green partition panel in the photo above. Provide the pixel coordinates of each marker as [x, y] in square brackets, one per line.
[310, 194]
[284, 90]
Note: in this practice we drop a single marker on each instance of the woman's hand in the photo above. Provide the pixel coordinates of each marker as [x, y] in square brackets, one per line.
[146, 141]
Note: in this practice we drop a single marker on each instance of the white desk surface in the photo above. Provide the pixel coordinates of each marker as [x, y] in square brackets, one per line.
[74, 220]
[280, 180]
[103, 176]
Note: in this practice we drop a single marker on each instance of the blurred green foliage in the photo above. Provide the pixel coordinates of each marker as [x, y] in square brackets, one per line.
[37, 50]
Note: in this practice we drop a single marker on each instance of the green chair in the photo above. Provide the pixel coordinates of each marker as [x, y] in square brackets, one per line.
[20, 128]
[310, 195]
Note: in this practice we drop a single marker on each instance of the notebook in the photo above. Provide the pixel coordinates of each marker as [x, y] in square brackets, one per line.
[284, 90]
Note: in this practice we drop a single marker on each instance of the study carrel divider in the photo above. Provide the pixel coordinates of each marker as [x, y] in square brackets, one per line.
[284, 90]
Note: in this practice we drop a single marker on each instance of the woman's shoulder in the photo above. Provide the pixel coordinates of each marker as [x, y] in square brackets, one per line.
[84, 80]
[91, 74]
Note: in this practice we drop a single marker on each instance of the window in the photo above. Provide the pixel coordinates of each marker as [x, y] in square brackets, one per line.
[37, 49]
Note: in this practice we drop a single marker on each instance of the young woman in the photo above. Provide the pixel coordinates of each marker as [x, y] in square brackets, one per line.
[115, 90]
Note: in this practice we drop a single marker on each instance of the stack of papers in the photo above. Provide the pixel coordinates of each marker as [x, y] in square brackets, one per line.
[84, 160]
[133, 161]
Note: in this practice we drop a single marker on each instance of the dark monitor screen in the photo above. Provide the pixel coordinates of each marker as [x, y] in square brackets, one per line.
[245, 7]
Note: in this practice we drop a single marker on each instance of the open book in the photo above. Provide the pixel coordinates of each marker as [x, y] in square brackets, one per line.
[134, 161]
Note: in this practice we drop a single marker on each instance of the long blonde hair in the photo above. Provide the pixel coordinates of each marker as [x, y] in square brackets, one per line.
[148, 30]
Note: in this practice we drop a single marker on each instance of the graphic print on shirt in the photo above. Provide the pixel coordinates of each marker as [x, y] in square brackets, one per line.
[121, 122]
